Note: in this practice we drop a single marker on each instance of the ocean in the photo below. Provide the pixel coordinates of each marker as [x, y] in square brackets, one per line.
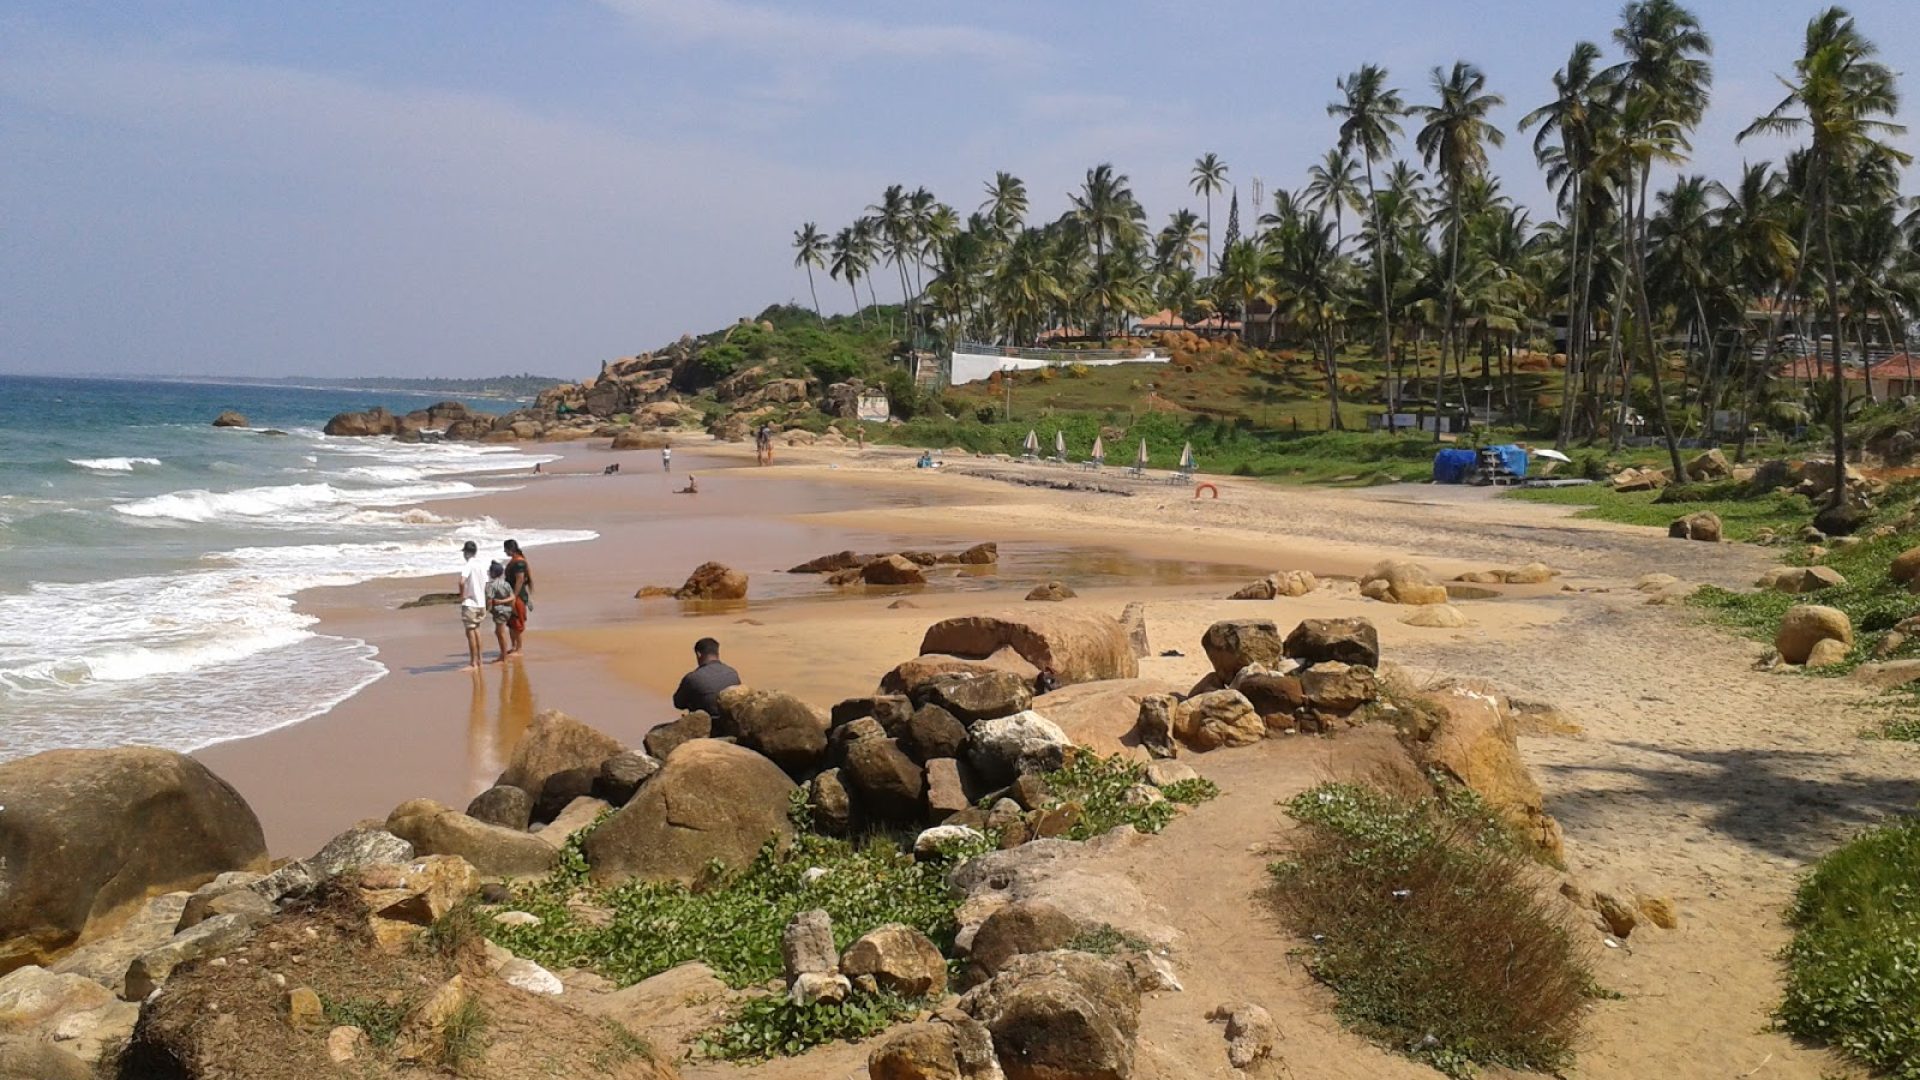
[148, 561]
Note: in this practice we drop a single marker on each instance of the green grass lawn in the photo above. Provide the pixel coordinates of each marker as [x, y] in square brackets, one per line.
[1740, 516]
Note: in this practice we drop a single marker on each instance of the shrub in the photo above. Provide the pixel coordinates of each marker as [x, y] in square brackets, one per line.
[776, 1026]
[1853, 967]
[1425, 925]
[1099, 785]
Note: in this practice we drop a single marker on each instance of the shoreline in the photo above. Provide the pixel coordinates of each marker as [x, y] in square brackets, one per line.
[427, 729]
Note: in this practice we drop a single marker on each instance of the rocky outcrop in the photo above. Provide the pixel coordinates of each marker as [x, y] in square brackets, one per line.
[709, 801]
[88, 836]
[897, 959]
[1051, 591]
[230, 418]
[639, 439]
[1472, 738]
[974, 697]
[375, 421]
[1794, 580]
[667, 738]
[1004, 748]
[892, 570]
[1221, 718]
[1101, 715]
[886, 783]
[1079, 646]
[713, 581]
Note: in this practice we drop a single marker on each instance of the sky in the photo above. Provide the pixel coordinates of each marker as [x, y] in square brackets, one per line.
[476, 187]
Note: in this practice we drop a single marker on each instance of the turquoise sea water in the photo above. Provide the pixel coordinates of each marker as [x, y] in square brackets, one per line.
[148, 560]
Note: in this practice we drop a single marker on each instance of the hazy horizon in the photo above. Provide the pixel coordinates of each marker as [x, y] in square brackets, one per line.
[473, 189]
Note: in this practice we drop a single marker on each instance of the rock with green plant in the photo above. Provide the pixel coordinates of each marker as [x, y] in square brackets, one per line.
[711, 801]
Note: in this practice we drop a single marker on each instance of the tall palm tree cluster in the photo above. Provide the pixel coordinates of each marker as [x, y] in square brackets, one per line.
[1669, 293]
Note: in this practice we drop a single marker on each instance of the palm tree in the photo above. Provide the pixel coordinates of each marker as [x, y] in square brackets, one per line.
[1209, 176]
[1454, 142]
[1661, 91]
[1006, 203]
[810, 249]
[1106, 210]
[1178, 245]
[848, 263]
[1843, 99]
[893, 219]
[1570, 116]
[1753, 220]
[1370, 114]
[1309, 279]
[866, 244]
[1333, 185]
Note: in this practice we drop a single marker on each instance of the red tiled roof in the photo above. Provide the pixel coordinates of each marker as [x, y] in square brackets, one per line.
[1168, 320]
[1900, 367]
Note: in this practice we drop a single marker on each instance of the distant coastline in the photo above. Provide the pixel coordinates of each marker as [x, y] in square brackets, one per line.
[497, 387]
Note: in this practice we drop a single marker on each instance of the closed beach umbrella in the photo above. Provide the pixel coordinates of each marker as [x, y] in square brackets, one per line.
[1186, 458]
[1099, 449]
[1060, 444]
[1141, 461]
[1032, 445]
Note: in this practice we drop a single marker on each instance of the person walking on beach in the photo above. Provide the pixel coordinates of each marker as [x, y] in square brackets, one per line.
[473, 601]
[504, 607]
[666, 459]
[700, 688]
[520, 579]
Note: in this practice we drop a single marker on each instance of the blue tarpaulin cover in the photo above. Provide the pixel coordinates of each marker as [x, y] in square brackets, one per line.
[1514, 458]
[1453, 466]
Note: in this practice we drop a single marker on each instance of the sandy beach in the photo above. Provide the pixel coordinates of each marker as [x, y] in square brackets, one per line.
[1685, 772]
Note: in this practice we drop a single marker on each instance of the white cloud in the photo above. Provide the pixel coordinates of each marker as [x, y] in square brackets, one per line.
[822, 39]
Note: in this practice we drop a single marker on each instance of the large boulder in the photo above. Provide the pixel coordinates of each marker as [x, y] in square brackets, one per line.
[1807, 625]
[885, 781]
[899, 959]
[555, 743]
[88, 836]
[621, 776]
[1009, 746]
[911, 677]
[1101, 716]
[1711, 465]
[828, 564]
[229, 418]
[972, 698]
[932, 732]
[375, 421]
[1906, 566]
[892, 570]
[1060, 1016]
[1232, 644]
[1349, 641]
[1397, 581]
[503, 805]
[667, 738]
[713, 581]
[1470, 735]
[1339, 688]
[1051, 591]
[1221, 718]
[1079, 646]
[710, 801]
[434, 829]
[1703, 525]
[790, 732]
[1021, 927]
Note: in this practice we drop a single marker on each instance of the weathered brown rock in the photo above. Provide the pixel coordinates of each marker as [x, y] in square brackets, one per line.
[1262, 589]
[827, 564]
[621, 776]
[504, 805]
[899, 959]
[1023, 926]
[1474, 741]
[1221, 718]
[912, 676]
[1703, 525]
[553, 743]
[787, 730]
[946, 789]
[933, 732]
[1800, 579]
[1339, 688]
[1101, 716]
[711, 800]
[713, 581]
[892, 570]
[230, 418]
[666, 738]
[886, 783]
[1398, 581]
[1232, 644]
[1349, 641]
[1134, 621]
[1060, 1016]
[830, 803]
[1906, 566]
[1051, 591]
[88, 836]
[1080, 646]
[1153, 727]
[434, 829]
[976, 697]
[1806, 625]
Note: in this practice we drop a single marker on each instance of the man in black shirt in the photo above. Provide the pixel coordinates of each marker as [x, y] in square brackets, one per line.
[700, 687]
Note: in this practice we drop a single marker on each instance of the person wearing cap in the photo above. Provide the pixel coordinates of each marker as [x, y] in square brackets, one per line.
[473, 600]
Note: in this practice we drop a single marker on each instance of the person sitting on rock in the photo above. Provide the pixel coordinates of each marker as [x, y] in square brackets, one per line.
[700, 688]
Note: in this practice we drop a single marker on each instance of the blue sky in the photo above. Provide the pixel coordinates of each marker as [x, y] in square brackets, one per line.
[476, 186]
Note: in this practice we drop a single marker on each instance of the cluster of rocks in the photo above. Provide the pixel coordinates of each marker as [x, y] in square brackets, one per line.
[709, 581]
[1709, 466]
[1814, 635]
[1317, 676]
[1284, 583]
[894, 567]
[1399, 581]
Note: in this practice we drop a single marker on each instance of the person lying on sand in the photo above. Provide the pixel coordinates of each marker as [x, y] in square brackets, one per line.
[700, 688]
[692, 488]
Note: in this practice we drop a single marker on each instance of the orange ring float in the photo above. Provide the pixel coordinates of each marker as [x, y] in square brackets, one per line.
[1208, 488]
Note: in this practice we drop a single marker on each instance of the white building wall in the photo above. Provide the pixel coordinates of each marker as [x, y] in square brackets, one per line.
[973, 367]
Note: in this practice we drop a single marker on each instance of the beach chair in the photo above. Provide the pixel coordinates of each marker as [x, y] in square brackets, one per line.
[1183, 472]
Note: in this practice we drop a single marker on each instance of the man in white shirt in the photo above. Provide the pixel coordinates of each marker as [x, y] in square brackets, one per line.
[473, 600]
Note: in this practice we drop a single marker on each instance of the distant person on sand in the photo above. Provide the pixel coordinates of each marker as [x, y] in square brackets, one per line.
[473, 600]
[611, 469]
[700, 688]
[666, 459]
[520, 579]
[504, 607]
[692, 488]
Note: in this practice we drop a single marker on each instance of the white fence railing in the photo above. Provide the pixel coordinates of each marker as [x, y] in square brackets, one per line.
[1053, 356]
